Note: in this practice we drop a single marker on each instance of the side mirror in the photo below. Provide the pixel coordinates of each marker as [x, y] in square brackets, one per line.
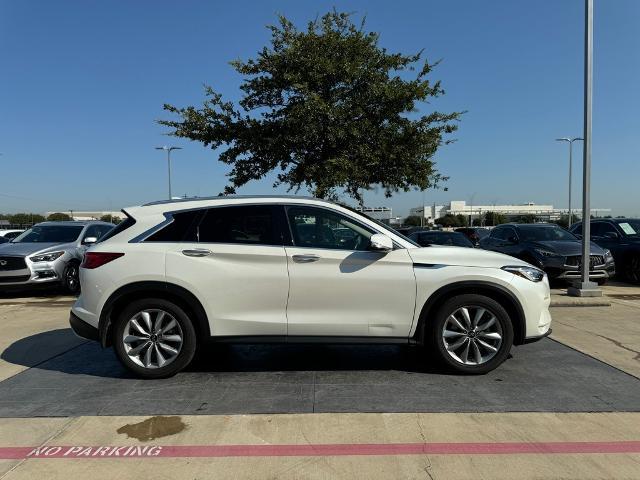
[380, 243]
[513, 240]
[89, 240]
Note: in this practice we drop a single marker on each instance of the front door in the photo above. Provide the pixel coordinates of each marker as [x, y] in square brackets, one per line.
[338, 287]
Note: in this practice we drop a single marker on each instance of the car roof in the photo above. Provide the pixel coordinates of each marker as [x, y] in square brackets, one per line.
[233, 197]
[70, 223]
[537, 225]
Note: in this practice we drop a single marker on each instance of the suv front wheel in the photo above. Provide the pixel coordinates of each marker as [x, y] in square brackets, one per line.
[471, 334]
[154, 338]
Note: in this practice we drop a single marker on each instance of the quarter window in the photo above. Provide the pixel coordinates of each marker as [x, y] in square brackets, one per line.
[320, 228]
[183, 228]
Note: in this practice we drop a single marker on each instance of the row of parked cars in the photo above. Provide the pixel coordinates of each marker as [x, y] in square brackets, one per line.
[555, 250]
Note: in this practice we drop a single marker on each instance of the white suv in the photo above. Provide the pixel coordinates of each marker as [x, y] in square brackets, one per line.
[176, 275]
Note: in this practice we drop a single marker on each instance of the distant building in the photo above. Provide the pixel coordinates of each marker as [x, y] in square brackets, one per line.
[512, 212]
[87, 215]
[382, 214]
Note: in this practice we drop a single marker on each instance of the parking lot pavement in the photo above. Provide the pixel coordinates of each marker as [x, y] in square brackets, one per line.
[65, 395]
[53, 373]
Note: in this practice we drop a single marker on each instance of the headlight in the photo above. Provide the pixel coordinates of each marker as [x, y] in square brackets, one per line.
[530, 273]
[46, 257]
[607, 254]
[545, 253]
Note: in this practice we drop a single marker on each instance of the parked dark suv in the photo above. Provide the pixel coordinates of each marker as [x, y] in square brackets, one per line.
[551, 248]
[475, 234]
[622, 237]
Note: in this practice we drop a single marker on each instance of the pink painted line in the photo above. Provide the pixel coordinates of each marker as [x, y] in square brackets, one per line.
[210, 451]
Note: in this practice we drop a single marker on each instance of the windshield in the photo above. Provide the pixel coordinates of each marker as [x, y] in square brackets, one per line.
[541, 234]
[445, 238]
[50, 234]
[630, 227]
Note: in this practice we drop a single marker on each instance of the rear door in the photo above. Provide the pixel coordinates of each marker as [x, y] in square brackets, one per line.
[233, 257]
[338, 287]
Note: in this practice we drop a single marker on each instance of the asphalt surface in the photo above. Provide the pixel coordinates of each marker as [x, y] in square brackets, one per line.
[85, 380]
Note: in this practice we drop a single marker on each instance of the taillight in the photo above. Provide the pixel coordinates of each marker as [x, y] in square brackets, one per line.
[97, 259]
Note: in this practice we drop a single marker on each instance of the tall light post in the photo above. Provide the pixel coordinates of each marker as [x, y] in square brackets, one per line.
[570, 141]
[169, 150]
[586, 288]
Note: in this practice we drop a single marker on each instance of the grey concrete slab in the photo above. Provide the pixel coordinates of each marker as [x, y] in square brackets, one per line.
[86, 380]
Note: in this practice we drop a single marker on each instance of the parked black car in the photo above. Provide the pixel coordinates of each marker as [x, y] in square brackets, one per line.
[435, 237]
[551, 248]
[622, 237]
[475, 234]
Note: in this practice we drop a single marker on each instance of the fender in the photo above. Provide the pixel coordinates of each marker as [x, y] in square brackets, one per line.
[509, 301]
[134, 291]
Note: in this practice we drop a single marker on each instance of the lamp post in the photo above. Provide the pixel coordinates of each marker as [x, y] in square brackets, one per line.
[169, 150]
[570, 141]
[586, 288]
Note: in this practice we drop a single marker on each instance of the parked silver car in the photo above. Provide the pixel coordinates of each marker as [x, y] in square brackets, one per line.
[48, 253]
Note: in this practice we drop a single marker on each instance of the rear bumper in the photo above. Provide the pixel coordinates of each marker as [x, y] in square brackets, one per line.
[82, 328]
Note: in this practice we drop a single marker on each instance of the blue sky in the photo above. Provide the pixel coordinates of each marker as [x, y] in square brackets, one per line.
[82, 83]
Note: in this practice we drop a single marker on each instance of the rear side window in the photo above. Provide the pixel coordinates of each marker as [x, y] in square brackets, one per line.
[254, 225]
[183, 228]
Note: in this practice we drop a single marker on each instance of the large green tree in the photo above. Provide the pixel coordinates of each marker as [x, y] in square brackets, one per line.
[329, 109]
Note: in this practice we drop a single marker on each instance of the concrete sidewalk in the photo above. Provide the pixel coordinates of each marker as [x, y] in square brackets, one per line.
[528, 446]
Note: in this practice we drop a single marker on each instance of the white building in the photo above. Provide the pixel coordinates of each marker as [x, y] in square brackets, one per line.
[382, 214]
[76, 215]
[460, 207]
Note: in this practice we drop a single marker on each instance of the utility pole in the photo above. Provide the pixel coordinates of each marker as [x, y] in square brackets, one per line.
[169, 150]
[570, 141]
[587, 288]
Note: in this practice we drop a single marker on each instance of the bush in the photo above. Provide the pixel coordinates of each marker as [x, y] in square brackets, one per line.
[59, 217]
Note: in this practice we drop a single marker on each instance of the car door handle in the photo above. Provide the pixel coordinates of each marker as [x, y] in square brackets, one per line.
[305, 258]
[196, 252]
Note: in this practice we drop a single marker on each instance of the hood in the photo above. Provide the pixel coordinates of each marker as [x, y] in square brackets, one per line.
[566, 247]
[463, 256]
[28, 248]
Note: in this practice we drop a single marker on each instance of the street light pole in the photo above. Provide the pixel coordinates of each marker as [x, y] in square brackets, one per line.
[586, 288]
[570, 141]
[169, 150]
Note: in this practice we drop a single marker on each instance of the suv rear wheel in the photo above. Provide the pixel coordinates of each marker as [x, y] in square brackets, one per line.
[471, 334]
[154, 338]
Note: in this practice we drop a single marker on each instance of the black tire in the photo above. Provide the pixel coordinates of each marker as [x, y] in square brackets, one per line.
[435, 342]
[601, 281]
[632, 271]
[71, 278]
[187, 349]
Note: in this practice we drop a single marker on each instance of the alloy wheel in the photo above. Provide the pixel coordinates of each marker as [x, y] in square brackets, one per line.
[71, 278]
[472, 335]
[152, 338]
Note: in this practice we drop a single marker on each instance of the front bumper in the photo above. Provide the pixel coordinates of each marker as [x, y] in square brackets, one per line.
[537, 337]
[557, 269]
[82, 328]
[33, 274]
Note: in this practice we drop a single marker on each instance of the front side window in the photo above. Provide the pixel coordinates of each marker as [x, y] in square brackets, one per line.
[50, 234]
[321, 228]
